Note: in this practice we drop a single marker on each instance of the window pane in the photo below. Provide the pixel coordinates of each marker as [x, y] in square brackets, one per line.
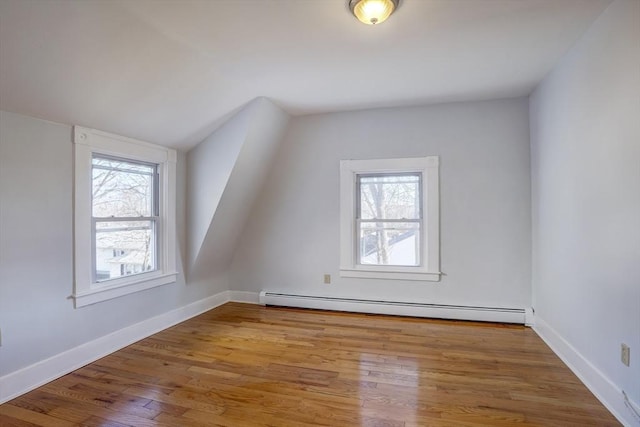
[121, 188]
[389, 196]
[389, 243]
[124, 248]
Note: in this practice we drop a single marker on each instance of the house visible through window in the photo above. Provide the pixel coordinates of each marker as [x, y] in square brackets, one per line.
[125, 217]
[389, 219]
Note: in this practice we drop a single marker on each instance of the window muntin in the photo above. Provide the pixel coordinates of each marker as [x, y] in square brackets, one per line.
[125, 219]
[389, 219]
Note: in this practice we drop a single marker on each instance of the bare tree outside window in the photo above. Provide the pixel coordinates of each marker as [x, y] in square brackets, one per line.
[125, 217]
[389, 218]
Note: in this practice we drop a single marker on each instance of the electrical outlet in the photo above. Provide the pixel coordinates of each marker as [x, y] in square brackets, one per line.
[625, 354]
[327, 279]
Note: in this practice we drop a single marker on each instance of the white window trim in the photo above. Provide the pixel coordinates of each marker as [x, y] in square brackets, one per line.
[86, 143]
[429, 270]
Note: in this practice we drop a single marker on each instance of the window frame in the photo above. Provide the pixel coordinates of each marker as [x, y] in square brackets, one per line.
[429, 268]
[86, 143]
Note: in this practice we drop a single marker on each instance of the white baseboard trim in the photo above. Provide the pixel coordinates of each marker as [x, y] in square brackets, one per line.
[482, 314]
[244, 296]
[600, 385]
[26, 379]
[529, 317]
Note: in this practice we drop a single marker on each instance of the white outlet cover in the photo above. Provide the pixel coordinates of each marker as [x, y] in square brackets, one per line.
[625, 354]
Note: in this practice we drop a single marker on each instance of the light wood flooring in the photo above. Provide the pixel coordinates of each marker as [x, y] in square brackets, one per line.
[247, 365]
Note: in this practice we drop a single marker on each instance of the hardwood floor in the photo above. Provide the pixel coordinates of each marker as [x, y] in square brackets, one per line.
[246, 365]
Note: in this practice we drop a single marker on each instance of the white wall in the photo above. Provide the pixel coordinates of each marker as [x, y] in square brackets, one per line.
[226, 173]
[37, 317]
[292, 236]
[585, 135]
[210, 165]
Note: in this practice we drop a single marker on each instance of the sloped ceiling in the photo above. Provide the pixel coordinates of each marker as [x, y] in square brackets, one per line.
[171, 71]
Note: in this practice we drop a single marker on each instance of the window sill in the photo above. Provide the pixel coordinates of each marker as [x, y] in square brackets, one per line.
[391, 274]
[99, 293]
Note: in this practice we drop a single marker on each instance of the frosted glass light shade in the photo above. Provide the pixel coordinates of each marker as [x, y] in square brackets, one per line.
[372, 12]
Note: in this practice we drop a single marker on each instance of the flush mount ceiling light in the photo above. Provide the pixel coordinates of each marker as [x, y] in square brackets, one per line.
[373, 12]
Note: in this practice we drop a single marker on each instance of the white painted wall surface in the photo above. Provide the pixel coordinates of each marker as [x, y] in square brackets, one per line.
[209, 167]
[226, 173]
[585, 135]
[292, 236]
[37, 317]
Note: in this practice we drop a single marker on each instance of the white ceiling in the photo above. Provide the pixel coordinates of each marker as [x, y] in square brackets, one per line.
[170, 71]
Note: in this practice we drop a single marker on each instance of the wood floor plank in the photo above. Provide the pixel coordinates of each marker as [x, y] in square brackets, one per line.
[7, 421]
[253, 366]
[33, 417]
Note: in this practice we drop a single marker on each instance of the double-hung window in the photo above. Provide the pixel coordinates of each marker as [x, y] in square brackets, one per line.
[124, 217]
[390, 219]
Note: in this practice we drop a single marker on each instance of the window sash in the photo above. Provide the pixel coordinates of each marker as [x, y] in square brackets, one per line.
[388, 220]
[155, 244]
[154, 219]
[155, 182]
[417, 235]
[358, 188]
[359, 221]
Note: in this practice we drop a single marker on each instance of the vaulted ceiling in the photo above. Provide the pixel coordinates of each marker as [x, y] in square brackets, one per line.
[170, 72]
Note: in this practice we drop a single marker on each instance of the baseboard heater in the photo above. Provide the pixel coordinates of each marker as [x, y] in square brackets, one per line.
[440, 311]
